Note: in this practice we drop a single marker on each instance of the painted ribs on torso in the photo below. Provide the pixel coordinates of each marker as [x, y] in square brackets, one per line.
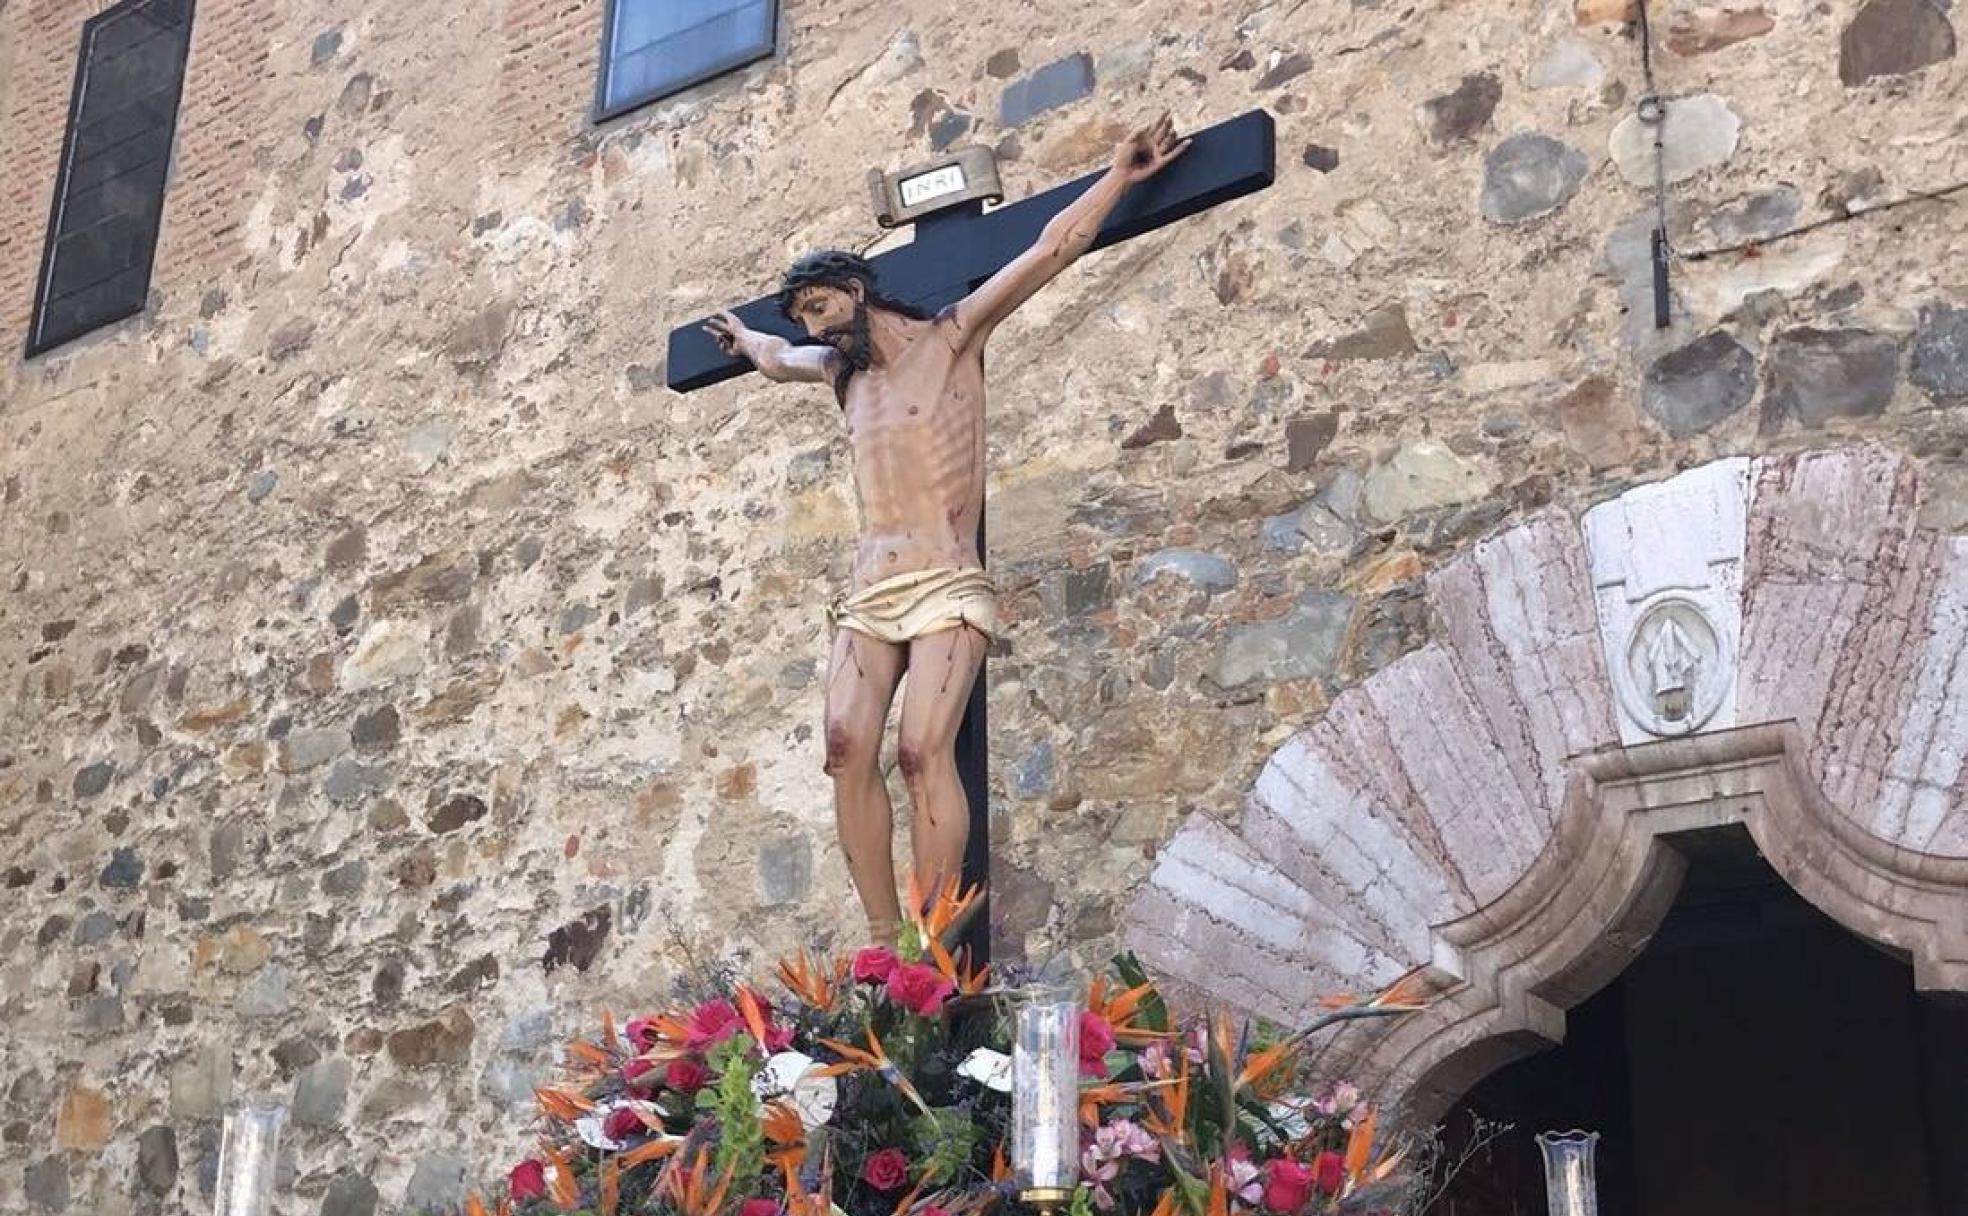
[916, 430]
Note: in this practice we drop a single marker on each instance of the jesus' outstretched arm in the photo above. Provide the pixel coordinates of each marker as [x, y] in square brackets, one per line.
[1069, 234]
[773, 356]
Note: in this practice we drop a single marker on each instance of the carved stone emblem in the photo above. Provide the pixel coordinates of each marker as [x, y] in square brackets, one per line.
[1667, 572]
[1678, 667]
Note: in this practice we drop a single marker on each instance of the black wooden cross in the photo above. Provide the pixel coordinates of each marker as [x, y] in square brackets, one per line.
[953, 252]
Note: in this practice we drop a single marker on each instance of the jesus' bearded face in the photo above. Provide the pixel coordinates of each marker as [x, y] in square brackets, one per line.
[837, 316]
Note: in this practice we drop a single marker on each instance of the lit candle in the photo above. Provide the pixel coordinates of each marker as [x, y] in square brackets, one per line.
[1045, 1079]
[247, 1158]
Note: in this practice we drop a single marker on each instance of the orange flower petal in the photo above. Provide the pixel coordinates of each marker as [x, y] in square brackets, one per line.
[1359, 1147]
[653, 1150]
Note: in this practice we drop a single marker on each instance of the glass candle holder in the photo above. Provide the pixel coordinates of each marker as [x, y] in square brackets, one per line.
[1045, 1096]
[1571, 1188]
[247, 1158]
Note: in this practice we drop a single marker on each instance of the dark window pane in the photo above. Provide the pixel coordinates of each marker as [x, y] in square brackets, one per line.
[116, 37]
[110, 300]
[146, 147]
[86, 258]
[139, 69]
[109, 192]
[658, 47]
[96, 132]
[117, 196]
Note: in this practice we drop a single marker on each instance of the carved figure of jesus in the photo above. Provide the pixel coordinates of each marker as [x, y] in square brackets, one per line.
[911, 390]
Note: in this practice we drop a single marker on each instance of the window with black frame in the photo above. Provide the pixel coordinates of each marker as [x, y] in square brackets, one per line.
[109, 187]
[653, 48]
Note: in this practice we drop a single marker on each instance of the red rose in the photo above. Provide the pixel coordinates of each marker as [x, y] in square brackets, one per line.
[641, 1032]
[885, 1170]
[715, 1021]
[919, 988]
[622, 1123]
[686, 1075]
[1329, 1172]
[712, 1022]
[528, 1180]
[633, 1070]
[1287, 1185]
[874, 964]
[1096, 1040]
[759, 1207]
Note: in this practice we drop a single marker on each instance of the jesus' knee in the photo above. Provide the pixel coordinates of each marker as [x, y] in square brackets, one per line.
[850, 748]
[921, 755]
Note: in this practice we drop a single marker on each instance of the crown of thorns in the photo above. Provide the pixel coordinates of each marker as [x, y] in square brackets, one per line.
[826, 268]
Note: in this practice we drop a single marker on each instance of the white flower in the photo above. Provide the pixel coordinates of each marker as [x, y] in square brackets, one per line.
[1290, 1119]
[791, 1076]
[991, 1069]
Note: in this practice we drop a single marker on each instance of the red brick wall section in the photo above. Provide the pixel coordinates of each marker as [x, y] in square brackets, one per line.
[550, 51]
[219, 123]
[206, 197]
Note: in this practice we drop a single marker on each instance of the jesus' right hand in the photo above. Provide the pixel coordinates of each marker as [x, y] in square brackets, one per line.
[729, 332]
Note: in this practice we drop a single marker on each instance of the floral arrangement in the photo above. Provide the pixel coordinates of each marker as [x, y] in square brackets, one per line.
[880, 1085]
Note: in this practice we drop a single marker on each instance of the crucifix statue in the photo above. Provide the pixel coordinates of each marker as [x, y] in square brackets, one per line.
[904, 356]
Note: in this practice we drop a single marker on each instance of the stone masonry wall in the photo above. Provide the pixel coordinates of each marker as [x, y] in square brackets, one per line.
[392, 671]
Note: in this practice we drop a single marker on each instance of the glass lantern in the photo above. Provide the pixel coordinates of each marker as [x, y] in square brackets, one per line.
[1570, 1187]
[1045, 1098]
[247, 1157]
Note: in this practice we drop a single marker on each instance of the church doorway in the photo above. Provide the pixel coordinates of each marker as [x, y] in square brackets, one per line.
[1756, 1059]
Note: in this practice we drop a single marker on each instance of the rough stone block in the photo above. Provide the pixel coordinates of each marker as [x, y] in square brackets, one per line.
[1054, 85]
[1529, 175]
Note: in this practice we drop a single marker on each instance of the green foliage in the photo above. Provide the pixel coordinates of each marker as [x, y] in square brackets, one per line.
[740, 1150]
[945, 1138]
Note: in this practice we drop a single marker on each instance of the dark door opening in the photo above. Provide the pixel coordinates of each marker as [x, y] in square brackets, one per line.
[1757, 1059]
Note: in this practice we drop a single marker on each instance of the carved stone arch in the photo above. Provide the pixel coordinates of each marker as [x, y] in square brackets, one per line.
[1503, 803]
[1591, 902]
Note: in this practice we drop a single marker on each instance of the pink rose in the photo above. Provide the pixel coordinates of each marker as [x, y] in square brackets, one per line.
[1287, 1185]
[622, 1123]
[919, 988]
[885, 1170]
[1096, 1040]
[632, 1071]
[1329, 1172]
[686, 1075]
[759, 1207]
[528, 1180]
[874, 964]
[641, 1032]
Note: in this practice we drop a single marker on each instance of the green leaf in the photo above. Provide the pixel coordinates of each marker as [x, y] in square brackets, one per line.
[1192, 1192]
[1153, 1011]
[1259, 1112]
